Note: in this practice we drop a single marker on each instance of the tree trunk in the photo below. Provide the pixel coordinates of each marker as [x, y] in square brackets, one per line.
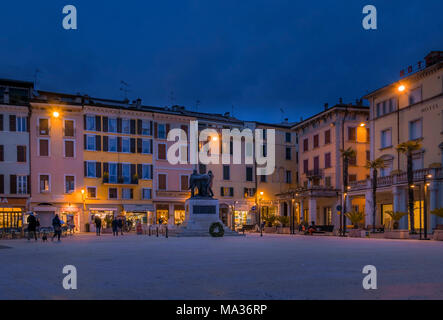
[374, 197]
[410, 174]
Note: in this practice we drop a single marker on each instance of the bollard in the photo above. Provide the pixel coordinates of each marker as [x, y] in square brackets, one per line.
[243, 231]
[261, 232]
[157, 232]
[149, 230]
[166, 232]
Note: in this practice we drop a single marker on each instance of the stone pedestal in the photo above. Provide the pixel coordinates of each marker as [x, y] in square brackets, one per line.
[438, 235]
[200, 214]
[397, 234]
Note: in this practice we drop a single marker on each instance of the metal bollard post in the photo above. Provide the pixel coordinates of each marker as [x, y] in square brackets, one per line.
[149, 230]
[166, 232]
[157, 232]
[261, 232]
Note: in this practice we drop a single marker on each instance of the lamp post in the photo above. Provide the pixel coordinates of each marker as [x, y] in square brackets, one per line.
[425, 205]
[259, 213]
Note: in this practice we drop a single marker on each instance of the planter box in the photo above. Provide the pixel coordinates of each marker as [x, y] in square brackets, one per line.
[357, 233]
[397, 234]
[438, 235]
[269, 229]
[283, 230]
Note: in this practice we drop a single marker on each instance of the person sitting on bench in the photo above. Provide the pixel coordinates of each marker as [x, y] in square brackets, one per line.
[312, 228]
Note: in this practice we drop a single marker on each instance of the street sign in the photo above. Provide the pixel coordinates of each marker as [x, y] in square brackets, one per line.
[339, 208]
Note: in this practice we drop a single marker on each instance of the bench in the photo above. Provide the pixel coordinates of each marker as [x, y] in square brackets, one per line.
[322, 229]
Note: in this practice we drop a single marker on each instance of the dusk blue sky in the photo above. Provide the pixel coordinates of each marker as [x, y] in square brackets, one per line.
[258, 56]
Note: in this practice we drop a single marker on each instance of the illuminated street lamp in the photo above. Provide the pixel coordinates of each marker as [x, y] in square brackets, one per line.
[55, 114]
[401, 88]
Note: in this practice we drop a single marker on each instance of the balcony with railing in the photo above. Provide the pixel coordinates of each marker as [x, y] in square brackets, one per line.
[43, 130]
[120, 180]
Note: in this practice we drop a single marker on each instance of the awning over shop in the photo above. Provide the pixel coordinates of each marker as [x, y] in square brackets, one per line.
[45, 208]
[138, 207]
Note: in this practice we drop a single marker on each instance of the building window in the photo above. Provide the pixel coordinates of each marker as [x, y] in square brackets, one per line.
[305, 166]
[249, 192]
[415, 96]
[68, 130]
[162, 131]
[351, 134]
[146, 147]
[288, 137]
[22, 124]
[112, 143]
[288, 154]
[126, 173]
[69, 149]
[305, 145]
[2, 153]
[184, 183]
[417, 161]
[327, 136]
[327, 181]
[112, 193]
[112, 125]
[226, 172]
[146, 128]
[288, 176]
[352, 161]
[386, 138]
[368, 155]
[90, 123]
[91, 169]
[263, 178]
[43, 127]
[316, 141]
[22, 184]
[92, 192]
[146, 194]
[127, 193]
[161, 151]
[415, 129]
[69, 184]
[44, 183]
[162, 181]
[126, 145]
[352, 178]
[113, 176]
[226, 191]
[249, 174]
[146, 171]
[21, 153]
[328, 160]
[90, 143]
[43, 147]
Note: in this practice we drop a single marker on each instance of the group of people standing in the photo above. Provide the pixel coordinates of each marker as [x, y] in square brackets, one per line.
[116, 224]
[34, 224]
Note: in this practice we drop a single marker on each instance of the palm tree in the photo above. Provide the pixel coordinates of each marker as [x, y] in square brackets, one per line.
[408, 149]
[374, 165]
[346, 154]
[396, 217]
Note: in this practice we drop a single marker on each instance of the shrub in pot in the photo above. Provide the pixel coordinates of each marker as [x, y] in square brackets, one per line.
[396, 217]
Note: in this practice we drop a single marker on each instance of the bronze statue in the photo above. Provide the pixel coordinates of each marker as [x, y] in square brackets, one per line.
[203, 182]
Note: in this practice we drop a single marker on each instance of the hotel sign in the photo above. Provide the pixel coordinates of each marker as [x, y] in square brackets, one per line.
[412, 68]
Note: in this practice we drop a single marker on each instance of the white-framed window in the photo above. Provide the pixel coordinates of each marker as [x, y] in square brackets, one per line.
[126, 172]
[127, 193]
[146, 172]
[417, 161]
[386, 138]
[90, 123]
[112, 167]
[112, 193]
[22, 124]
[69, 148]
[415, 129]
[69, 128]
[112, 144]
[415, 96]
[91, 169]
[146, 146]
[288, 177]
[161, 131]
[22, 184]
[90, 142]
[69, 183]
[112, 125]
[126, 145]
[126, 126]
[146, 193]
[45, 183]
[91, 192]
[146, 128]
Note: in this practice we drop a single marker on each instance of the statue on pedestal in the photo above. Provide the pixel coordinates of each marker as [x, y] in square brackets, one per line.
[203, 182]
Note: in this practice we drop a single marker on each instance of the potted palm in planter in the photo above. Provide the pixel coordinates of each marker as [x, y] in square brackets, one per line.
[438, 232]
[283, 224]
[395, 232]
[270, 221]
[358, 220]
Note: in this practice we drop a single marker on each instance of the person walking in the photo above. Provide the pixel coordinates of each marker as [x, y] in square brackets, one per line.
[98, 225]
[120, 225]
[114, 225]
[32, 226]
[57, 225]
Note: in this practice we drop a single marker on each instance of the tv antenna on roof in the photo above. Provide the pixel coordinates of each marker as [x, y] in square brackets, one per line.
[125, 88]
[37, 71]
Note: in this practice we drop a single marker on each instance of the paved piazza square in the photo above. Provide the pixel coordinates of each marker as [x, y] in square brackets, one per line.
[251, 267]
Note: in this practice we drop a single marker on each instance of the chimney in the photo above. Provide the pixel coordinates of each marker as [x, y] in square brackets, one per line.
[326, 106]
[227, 114]
[340, 100]
[286, 120]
